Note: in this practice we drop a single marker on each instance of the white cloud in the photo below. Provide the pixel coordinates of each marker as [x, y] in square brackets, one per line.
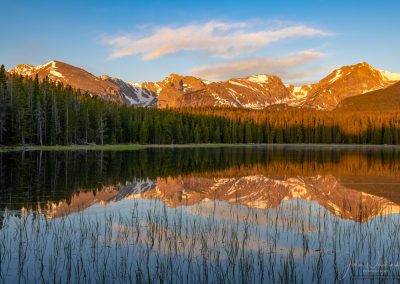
[224, 39]
[287, 67]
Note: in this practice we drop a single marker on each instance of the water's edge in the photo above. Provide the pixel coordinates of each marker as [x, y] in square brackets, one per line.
[135, 147]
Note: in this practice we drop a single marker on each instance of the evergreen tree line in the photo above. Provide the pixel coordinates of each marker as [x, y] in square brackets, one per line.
[48, 113]
[293, 125]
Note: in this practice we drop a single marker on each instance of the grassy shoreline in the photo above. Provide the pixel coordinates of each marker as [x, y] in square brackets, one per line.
[135, 147]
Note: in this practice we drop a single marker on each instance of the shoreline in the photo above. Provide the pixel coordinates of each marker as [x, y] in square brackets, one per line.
[136, 147]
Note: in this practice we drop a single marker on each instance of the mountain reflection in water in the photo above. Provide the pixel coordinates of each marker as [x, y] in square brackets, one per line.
[351, 184]
[233, 215]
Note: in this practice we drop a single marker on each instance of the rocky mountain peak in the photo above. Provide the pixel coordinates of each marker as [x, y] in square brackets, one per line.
[260, 78]
[105, 77]
[345, 82]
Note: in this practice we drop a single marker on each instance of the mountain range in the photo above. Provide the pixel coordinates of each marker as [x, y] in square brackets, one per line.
[345, 88]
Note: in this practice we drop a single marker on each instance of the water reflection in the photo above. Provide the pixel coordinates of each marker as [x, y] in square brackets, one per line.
[251, 215]
[356, 185]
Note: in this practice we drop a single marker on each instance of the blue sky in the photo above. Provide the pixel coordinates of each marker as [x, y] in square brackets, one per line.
[147, 40]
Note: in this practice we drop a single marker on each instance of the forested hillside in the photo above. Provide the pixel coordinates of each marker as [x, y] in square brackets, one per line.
[48, 113]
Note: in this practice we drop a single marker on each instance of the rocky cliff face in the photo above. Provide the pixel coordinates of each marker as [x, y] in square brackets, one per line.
[172, 90]
[255, 92]
[133, 93]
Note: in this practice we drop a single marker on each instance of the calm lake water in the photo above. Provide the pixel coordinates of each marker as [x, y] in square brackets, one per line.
[236, 215]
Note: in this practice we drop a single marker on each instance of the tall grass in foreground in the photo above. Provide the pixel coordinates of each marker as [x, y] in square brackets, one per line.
[212, 242]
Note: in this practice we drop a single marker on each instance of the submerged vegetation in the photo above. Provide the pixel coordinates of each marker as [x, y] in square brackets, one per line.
[146, 241]
[48, 113]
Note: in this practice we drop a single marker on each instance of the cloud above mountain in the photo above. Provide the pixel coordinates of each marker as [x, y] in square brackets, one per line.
[288, 67]
[216, 38]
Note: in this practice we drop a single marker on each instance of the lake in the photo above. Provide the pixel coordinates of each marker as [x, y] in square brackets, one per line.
[257, 214]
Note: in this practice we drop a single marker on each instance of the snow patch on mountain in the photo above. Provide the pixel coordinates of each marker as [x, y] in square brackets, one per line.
[30, 70]
[389, 76]
[237, 84]
[144, 96]
[300, 92]
[132, 93]
[222, 101]
[56, 74]
[259, 79]
[338, 74]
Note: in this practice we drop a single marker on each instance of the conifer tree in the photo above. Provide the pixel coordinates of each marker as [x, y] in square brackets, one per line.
[197, 134]
[144, 133]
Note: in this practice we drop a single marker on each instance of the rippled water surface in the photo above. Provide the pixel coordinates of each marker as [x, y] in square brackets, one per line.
[238, 215]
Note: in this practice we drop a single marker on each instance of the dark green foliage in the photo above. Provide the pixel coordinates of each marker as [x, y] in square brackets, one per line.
[3, 89]
[46, 113]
